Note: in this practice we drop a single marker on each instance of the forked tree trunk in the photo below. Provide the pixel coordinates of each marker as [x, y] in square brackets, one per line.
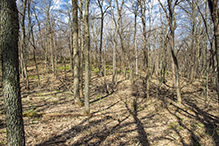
[170, 14]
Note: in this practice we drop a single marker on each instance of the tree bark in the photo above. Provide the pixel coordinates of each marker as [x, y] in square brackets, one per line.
[33, 42]
[81, 47]
[87, 58]
[10, 72]
[214, 10]
[23, 49]
[76, 52]
[172, 25]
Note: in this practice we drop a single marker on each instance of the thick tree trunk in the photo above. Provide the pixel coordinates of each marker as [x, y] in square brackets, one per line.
[87, 58]
[10, 72]
[213, 5]
[76, 52]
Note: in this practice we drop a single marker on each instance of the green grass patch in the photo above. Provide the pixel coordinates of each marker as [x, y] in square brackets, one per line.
[4, 130]
[55, 101]
[93, 68]
[96, 71]
[62, 67]
[119, 71]
[36, 119]
[174, 123]
[32, 77]
[200, 125]
[179, 128]
[107, 68]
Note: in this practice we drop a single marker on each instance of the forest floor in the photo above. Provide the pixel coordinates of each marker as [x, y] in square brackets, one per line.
[123, 117]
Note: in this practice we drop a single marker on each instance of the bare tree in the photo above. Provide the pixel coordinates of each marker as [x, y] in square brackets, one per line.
[76, 52]
[10, 72]
[48, 4]
[100, 5]
[33, 41]
[87, 57]
[117, 24]
[23, 48]
[170, 14]
[214, 10]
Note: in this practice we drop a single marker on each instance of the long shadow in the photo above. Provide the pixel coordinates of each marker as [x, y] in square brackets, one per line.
[142, 135]
[110, 106]
[194, 137]
[103, 97]
[102, 135]
[211, 122]
[62, 138]
[87, 138]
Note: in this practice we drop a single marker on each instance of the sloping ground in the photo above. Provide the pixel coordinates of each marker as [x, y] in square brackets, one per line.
[124, 117]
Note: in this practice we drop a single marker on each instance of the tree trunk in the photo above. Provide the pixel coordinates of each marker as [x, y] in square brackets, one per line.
[82, 47]
[101, 40]
[87, 58]
[213, 5]
[76, 52]
[145, 50]
[23, 49]
[33, 43]
[133, 50]
[71, 44]
[10, 72]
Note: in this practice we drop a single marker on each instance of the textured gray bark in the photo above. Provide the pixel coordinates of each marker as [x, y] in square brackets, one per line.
[10, 72]
[87, 58]
[76, 51]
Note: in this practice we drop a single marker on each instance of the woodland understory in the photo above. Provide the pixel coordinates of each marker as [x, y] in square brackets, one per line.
[109, 72]
[123, 117]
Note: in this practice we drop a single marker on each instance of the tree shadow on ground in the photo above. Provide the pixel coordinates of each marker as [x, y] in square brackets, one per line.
[142, 135]
[93, 138]
[210, 122]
